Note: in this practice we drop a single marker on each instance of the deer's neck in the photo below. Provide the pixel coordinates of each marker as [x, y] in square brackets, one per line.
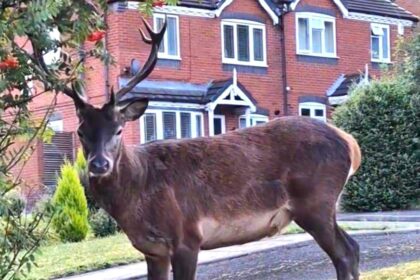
[125, 182]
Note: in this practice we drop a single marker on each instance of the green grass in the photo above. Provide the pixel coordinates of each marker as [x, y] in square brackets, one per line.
[74, 258]
[406, 271]
[60, 259]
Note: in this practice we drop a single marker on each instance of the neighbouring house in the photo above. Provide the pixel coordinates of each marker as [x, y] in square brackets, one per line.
[412, 6]
[228, 64]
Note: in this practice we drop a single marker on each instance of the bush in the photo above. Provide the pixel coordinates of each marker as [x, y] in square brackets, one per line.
[384, 118]
[102, 224]
[71, 220]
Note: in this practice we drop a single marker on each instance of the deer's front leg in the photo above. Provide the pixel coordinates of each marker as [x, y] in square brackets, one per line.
[158, 268]
[184, 263]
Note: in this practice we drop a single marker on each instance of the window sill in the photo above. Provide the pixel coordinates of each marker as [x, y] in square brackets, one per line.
[169, 57]
[318, 55]
[381, 61]
[249, 64]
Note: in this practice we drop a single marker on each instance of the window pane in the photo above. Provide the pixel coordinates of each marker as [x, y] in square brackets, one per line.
[171, 32]
[317, 40]
[319, 113]
[305, 112]
[198, 125]
[329, 37]
[242, 123]
[258, 45]
[217, 126]
[243, 42]
[385, 46]
[375, 47]
[159, 24]
[169, 125]
[149, 127]
[228, 38]
[303, 34]
[185, 125]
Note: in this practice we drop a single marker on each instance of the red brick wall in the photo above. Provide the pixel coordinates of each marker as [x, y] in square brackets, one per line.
[201, 55]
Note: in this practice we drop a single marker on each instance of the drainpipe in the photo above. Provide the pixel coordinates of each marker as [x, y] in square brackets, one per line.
[106, 69]
[283, 10]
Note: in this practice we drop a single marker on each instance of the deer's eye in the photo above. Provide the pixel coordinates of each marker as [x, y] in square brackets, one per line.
[119, 131]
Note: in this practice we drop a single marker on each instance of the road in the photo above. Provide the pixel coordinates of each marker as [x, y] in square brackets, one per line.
[308, 261]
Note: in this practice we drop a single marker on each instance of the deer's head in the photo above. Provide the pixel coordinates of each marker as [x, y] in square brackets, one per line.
[100, 129]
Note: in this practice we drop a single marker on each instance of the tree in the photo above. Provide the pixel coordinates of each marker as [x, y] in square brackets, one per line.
[28, 32]
[385, 119]
[25, 36]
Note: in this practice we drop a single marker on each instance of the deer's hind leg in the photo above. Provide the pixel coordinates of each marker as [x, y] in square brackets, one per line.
[320, 222]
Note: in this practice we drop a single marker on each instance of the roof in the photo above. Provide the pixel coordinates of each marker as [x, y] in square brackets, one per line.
[207, 4]
[175, 91]
[378, 7]
[342, 86]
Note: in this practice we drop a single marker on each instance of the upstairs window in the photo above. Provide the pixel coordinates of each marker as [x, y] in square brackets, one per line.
[315, 35]
[314, 110]
[169, 48]
[166, 124]
[380, 48]
[243, 43]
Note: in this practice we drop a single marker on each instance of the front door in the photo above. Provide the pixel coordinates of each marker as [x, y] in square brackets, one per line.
[219, 124]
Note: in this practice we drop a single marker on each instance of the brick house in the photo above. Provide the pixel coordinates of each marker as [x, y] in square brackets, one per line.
[230, 64]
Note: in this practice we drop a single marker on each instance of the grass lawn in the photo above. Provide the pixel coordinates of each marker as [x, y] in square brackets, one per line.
[75, 258]
[406, 271]
[72, 258]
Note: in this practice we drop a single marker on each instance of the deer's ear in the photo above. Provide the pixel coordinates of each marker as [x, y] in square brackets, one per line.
[132, 109]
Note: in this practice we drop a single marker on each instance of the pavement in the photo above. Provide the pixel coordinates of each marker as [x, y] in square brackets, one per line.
[381, 223]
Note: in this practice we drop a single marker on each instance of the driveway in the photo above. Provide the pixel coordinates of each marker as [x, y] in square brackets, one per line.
[307, 261]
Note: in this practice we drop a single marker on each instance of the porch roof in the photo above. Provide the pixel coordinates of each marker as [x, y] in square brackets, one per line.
[176, 91]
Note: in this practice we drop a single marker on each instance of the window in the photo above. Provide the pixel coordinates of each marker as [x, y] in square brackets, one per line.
[313, 110]
[169, 48]
[56, 125]
[219, 124]
[315, 35]
[53, 56]
[168, 124]
[380, 48]
[254, 118]
[243, 42]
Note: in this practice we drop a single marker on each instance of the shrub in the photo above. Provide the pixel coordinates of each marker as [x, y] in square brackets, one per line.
[384, 118]
[71, 220]
[102, 224]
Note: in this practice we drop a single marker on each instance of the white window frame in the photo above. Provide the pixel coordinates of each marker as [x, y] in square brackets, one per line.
[223, 121]
[251, 25]
[159, 123]
[254, 118]
[324, 18]
[312, 106]
[56, 125]
[381, 38]
[165, 54]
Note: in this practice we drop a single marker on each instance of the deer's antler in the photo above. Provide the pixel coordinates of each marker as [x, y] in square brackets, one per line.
[154, 40]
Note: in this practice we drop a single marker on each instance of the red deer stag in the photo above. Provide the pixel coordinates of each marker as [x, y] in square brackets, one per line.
[173, 198]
